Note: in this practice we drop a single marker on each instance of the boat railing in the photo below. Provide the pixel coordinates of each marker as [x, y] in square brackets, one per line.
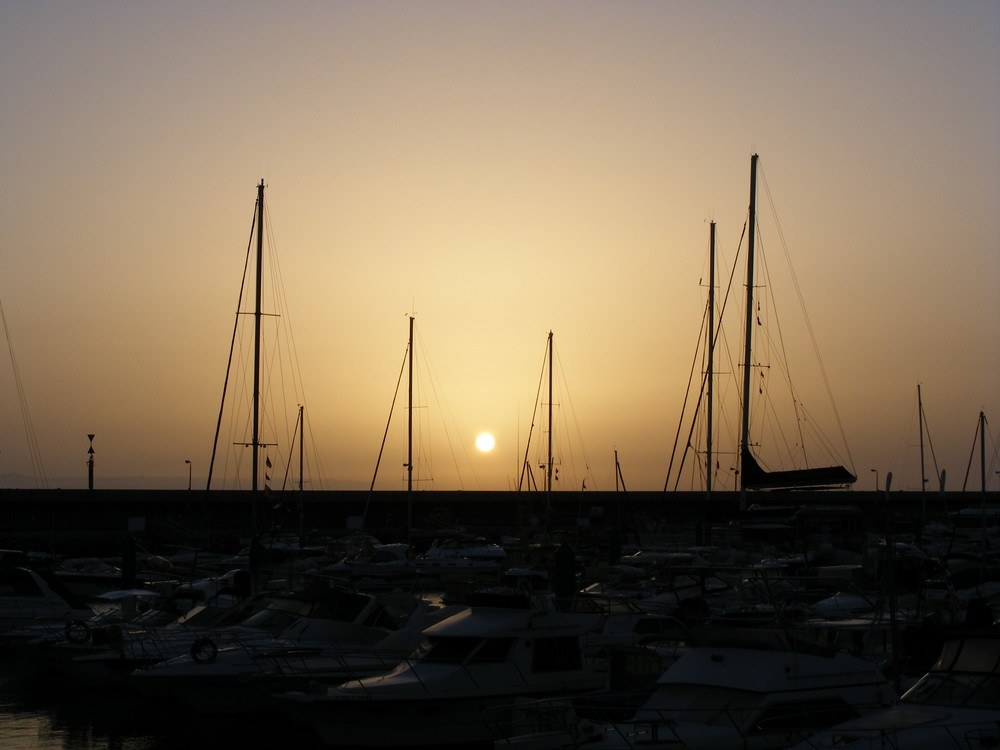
[589, 718]
[330, 666]
[971, 734]
[412, 665]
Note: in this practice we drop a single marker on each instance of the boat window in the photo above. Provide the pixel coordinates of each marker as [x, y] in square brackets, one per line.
[195, 616]
[557, 654]
[954, 689]
[493, 650]
[184, 601]
[380, 618]
[976, 656]
[804, 716]
[988, 693]
[291, 606]
[343, 609]
[449, 650]
[224, 617]
[14, 582]
[272, 621]
[685, 581]
[656, 625]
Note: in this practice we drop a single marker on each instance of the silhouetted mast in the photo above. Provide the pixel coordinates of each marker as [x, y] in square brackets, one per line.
[982, 448]
[711, 355]
[548, 473]
[409, 436]
[256, 335]
[920, 423]
[751, 474]
[745, 437]
[302, 440]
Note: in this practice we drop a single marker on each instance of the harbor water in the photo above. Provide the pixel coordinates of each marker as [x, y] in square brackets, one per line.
[48, 712]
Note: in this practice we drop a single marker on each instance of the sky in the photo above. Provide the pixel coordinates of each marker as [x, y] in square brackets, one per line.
[497, 171]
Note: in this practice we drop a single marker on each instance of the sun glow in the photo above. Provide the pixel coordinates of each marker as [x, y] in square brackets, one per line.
[485, 442]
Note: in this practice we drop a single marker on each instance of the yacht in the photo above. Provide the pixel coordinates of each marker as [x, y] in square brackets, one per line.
[237, 674]
[956, 705]
[27, 598]
[504, 649]
[741, 689]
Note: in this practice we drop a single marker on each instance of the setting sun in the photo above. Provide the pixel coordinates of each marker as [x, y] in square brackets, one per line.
[485, 442]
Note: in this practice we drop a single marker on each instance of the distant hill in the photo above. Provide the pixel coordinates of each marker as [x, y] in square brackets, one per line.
[22, 482]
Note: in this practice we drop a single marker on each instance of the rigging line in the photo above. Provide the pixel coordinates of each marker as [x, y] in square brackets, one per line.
[808, 322]
[280, 299]
[534, 413]
[284, 351]
[784, 367]
[283, 327]
[818, 435]
[288, 463]
[680, 421]
[718, 334]
[388, 422]
[930, 444]
[229, 363]
[572, 413]
[972, 454]
[904, 446]
[445, 409]
[714, 344]
[783, 363]
[35, 455]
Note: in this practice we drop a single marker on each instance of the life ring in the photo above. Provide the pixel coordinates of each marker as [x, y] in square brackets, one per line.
[203, 651]
[77, 631]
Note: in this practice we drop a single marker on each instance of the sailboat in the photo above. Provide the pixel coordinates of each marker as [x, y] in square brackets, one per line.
[752, 475]
[258, 378]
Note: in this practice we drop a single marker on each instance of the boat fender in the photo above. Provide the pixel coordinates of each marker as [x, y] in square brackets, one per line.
[204, 651]
[77, 631]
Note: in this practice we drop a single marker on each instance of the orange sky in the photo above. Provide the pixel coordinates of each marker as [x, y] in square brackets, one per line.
[499, 170]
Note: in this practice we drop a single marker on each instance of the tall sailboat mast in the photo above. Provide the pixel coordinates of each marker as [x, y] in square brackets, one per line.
[752, 229]
[256, 337]
[711, 355]
[548, 473]
[982, 449]
[409, 435]
[751, 474]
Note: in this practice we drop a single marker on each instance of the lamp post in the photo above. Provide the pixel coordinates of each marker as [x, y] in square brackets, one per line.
[188, 462]
[876, 478]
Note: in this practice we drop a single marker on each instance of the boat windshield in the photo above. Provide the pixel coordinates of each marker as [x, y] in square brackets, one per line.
[279, 615]
[967, 689]
[203, 616]
[701, 704]
[463, 650]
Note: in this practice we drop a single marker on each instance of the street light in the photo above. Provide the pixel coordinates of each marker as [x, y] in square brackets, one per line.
[876, 478]
[189, 473]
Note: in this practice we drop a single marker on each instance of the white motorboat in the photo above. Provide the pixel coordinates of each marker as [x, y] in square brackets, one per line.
[302, 616]
[956, 705]
[493, 654]
[103, 648]
[29, 598]
[743, 690]
[235, 674]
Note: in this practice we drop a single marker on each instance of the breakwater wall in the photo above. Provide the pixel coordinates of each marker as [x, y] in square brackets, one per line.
[71, 520]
